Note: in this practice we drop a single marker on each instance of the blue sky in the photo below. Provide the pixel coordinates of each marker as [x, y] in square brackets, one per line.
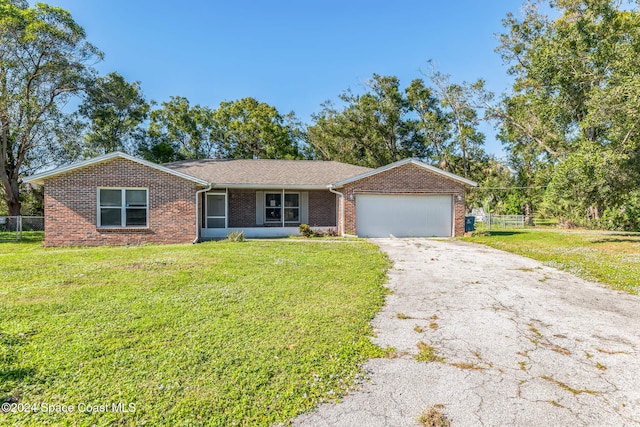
[293, 55]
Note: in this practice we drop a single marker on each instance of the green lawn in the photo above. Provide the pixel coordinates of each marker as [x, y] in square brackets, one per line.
[27, 236]
[218, 333]
[609, 257]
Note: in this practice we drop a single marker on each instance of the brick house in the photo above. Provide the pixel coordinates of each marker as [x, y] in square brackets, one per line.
[119, 199]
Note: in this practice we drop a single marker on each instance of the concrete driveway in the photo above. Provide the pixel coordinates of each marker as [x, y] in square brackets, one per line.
[523, 344]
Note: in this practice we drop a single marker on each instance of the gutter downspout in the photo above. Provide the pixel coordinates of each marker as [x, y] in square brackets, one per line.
[197, 239]
[341, 219]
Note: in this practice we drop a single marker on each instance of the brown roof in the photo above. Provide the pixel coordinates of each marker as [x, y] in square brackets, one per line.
[303, 173]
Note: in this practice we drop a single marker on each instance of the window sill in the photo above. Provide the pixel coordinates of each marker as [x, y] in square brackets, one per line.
[123, 229]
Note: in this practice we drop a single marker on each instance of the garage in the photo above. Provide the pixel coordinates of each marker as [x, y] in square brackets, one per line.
[404, 215]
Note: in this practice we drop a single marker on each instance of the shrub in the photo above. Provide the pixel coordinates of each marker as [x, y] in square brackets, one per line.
[306, 230]
[332, 232]
[625, 216]
[236, 236]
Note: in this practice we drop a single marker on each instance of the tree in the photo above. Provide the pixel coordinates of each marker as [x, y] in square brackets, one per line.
[179, 131]
[437, 124]
[574, 101]
[249, 129]
[433, 123]
[372, 129]
[458, 110]
[44, 59]
[115, 110]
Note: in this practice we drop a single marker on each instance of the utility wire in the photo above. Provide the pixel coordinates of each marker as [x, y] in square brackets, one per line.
[507, 188]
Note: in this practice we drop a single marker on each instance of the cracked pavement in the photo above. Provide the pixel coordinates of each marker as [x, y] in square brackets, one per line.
[524, 344]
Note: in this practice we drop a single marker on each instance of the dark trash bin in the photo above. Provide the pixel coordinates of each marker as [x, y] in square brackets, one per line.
[469, 224]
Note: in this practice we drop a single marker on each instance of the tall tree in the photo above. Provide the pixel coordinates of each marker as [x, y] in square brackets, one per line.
[574, 100]
[458, 107]
[180, 131]
[436, 123]
[250, 129]
[372, 129]
[115, 110]
[44, 59]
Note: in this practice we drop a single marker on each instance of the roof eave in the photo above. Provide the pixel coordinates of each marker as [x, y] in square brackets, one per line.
[273, 186]
[40, 178]
[401, 163]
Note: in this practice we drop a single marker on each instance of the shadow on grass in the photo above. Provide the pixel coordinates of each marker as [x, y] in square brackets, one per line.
[615, 240]
[16, 374]
[27, 237]
[502, 233]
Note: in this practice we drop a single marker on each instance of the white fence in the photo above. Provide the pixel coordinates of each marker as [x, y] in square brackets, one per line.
[14, 228]
[500, 221]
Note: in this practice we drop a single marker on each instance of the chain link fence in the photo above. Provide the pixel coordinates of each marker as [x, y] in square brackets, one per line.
[15, 228]
[488, 222]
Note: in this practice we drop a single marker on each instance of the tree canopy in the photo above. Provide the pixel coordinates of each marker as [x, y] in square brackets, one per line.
[44, 59]
[572, 119]
[570, 124]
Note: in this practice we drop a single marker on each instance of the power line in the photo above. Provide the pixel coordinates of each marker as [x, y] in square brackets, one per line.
[508, 188]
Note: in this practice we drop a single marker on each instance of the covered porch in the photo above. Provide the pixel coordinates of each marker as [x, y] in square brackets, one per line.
[265, 212]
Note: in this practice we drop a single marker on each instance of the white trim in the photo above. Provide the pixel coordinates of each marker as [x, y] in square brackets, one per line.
[206, 209]
[122, 207]
[282, 221]
[340, 213]
[40, 177]
[198, 223]
[272, 186]
[401, 163]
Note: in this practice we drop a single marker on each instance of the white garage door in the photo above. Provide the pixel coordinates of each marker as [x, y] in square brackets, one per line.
[388, 215]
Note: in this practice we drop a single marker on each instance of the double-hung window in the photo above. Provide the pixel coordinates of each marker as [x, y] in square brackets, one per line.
[123, 207]
[275, 210]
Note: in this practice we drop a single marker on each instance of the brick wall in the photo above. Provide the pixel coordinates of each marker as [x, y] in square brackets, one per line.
[71, 206]
[242, 208]
[322, 209]
[405, 179]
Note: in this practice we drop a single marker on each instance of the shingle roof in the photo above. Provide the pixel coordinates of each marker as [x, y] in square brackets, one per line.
[303, 173]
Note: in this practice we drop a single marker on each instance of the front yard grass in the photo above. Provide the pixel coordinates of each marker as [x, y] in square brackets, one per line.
[609, 257]
[218, 333]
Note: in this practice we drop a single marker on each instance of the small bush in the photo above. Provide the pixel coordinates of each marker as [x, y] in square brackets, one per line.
[306, 230]
[236, 236]
[332, 232]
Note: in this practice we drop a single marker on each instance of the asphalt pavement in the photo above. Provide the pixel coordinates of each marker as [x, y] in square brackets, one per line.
[519, 344]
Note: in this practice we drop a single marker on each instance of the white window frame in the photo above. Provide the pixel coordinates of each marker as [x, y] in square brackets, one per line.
[122, 207]
[206, 209]
[282, 207]
[297, 208]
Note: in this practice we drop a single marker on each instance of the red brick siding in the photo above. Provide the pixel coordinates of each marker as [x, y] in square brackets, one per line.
[405, 179]
[242, 208]
[322, 209]
[71, 206]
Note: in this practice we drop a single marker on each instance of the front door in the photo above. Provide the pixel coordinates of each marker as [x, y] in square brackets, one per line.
[216, 210]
